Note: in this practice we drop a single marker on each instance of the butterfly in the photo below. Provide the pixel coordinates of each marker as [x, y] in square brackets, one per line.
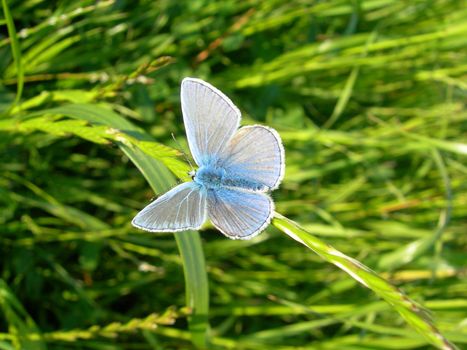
[236, 169]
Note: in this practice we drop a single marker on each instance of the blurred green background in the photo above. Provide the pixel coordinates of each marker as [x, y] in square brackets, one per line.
[369, 98]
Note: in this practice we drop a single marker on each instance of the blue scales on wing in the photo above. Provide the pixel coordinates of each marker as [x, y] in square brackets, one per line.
[254, 159]
[210, 118]
[239, 214]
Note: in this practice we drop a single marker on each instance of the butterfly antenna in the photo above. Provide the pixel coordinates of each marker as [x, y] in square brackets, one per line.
[184, 154]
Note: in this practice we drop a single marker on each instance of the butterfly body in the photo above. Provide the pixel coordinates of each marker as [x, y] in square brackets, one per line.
[210, 176]
[237, 166]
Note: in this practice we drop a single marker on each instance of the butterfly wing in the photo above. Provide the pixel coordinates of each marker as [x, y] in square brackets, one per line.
[255, 154]
[239, 214]
[182, 208]
[210, 118]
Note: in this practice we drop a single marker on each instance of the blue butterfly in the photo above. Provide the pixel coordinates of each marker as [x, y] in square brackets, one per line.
[236, 169]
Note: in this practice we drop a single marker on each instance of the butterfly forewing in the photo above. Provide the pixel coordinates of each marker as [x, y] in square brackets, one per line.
[239, 214]
[210, 117]
[255, 153]
[182, 208]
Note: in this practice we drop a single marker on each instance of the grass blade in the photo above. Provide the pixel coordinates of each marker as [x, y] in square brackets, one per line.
[343, 98]
[106, 129]
[16, 51]
[26, 335]
[413, 250]
[414, 315]
[189, 243]
[160, 179]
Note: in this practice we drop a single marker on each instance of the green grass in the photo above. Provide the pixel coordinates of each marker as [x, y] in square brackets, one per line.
[369, 99]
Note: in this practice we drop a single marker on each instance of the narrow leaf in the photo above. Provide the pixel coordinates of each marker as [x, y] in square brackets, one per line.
[414, 315]
[16, 51]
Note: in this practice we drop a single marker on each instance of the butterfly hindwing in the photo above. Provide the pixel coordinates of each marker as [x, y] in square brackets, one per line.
[210, 118]
[182, 208]
[239, 214]
[255, 153]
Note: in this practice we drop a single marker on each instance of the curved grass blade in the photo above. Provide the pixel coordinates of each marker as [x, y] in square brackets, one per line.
[160, 179]
[16, 51]
[22, 328]
[109, 126]
[189, 243]
[413, 314]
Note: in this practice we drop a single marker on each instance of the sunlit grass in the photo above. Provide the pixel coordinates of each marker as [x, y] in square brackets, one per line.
[369, 99]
